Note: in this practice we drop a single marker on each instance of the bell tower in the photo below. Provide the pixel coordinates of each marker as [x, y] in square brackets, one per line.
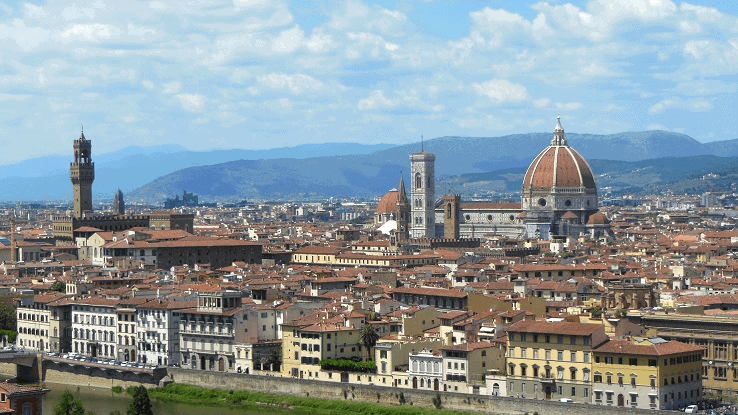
[422, 191]
[82, 174]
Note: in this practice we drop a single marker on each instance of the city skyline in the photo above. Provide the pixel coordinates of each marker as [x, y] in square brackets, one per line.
[250, 74]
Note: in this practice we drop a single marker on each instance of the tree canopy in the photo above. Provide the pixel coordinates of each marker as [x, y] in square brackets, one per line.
[141, 404]
[368, 338]
[69, 405]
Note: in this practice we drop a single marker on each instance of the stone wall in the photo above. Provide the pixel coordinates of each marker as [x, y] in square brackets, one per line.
[81, 375]
[387, 395]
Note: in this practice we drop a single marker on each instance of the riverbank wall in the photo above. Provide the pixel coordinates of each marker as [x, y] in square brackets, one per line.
[388, 395]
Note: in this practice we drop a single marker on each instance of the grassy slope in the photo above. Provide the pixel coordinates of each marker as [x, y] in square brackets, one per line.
[273, 403]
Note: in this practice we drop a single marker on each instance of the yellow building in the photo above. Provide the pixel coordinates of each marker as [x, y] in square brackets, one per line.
[647, 373]
[552, 360]
[306, 343]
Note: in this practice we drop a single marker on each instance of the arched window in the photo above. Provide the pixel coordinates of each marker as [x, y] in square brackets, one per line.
[448, 211]
[418, 181]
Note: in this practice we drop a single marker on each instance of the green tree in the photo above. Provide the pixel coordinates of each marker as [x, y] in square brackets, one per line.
[596, 311]
[141, 404]
[59, 286]
[7, 318]
[69, 405]
[368, 338]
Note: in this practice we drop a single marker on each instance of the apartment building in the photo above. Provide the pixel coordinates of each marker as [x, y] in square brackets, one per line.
[552, 360]
[309, 340]
[32, 316]
[126, 329]
[647, 373]
[464, 365]
[94, 327]
[212, 331]
[158, 331]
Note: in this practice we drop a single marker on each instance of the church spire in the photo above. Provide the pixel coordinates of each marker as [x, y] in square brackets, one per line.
[559, 138]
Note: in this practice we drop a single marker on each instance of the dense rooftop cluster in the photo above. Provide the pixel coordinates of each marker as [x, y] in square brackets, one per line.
[621, 321]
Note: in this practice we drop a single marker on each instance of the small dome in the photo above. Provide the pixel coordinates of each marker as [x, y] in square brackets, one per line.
[388, 202]
[597, 218]
[569, 215]
[559, 165]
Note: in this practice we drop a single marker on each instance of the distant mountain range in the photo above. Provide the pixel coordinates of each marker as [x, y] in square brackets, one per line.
[636, 162]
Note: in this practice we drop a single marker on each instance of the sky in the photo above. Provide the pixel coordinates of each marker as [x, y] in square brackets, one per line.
[256, 74]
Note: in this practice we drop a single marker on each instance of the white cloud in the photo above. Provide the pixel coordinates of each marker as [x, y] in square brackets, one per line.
[696, 105]
[140, 31]
[76, 13]
[171, 88]
[191, 102]
[148, 85]
[289, 40]
[27, 38]
[14, 97]
[705, 87]
[501, 91]
[652, 127]
[93, 32]
[542, 102]
[376, 100]
[612, 107]
[568, 106]
[295, 84]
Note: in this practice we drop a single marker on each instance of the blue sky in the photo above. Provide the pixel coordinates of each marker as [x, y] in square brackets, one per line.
[271, 73]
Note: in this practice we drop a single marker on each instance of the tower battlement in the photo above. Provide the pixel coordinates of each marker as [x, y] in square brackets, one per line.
[82, 174]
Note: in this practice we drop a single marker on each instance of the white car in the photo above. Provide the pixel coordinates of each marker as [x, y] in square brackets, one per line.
[691, 409]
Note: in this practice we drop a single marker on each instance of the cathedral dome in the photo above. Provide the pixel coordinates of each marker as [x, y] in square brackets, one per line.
[388, 202]
[598, 218]
[559, 166]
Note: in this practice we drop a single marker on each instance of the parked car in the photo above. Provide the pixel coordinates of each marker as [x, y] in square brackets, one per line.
[691, 409]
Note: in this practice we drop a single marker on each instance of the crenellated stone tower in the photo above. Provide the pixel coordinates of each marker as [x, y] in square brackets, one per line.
[82, 174]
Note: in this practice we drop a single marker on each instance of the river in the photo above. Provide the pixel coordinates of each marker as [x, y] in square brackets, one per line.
[103, 401]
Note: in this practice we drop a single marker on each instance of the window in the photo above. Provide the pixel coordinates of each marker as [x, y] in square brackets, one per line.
[524, 352]
[573, 356]
[560, 339]
[609, 378]
[548, 355]
[620, 379]
[573, 340]
[535, 353]
[586, 392]
[560, 355]
[633, 361]
[608, 360]
[573, 391]
[598, 396]
[586, 357]
[27, 408]
[652, 362]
